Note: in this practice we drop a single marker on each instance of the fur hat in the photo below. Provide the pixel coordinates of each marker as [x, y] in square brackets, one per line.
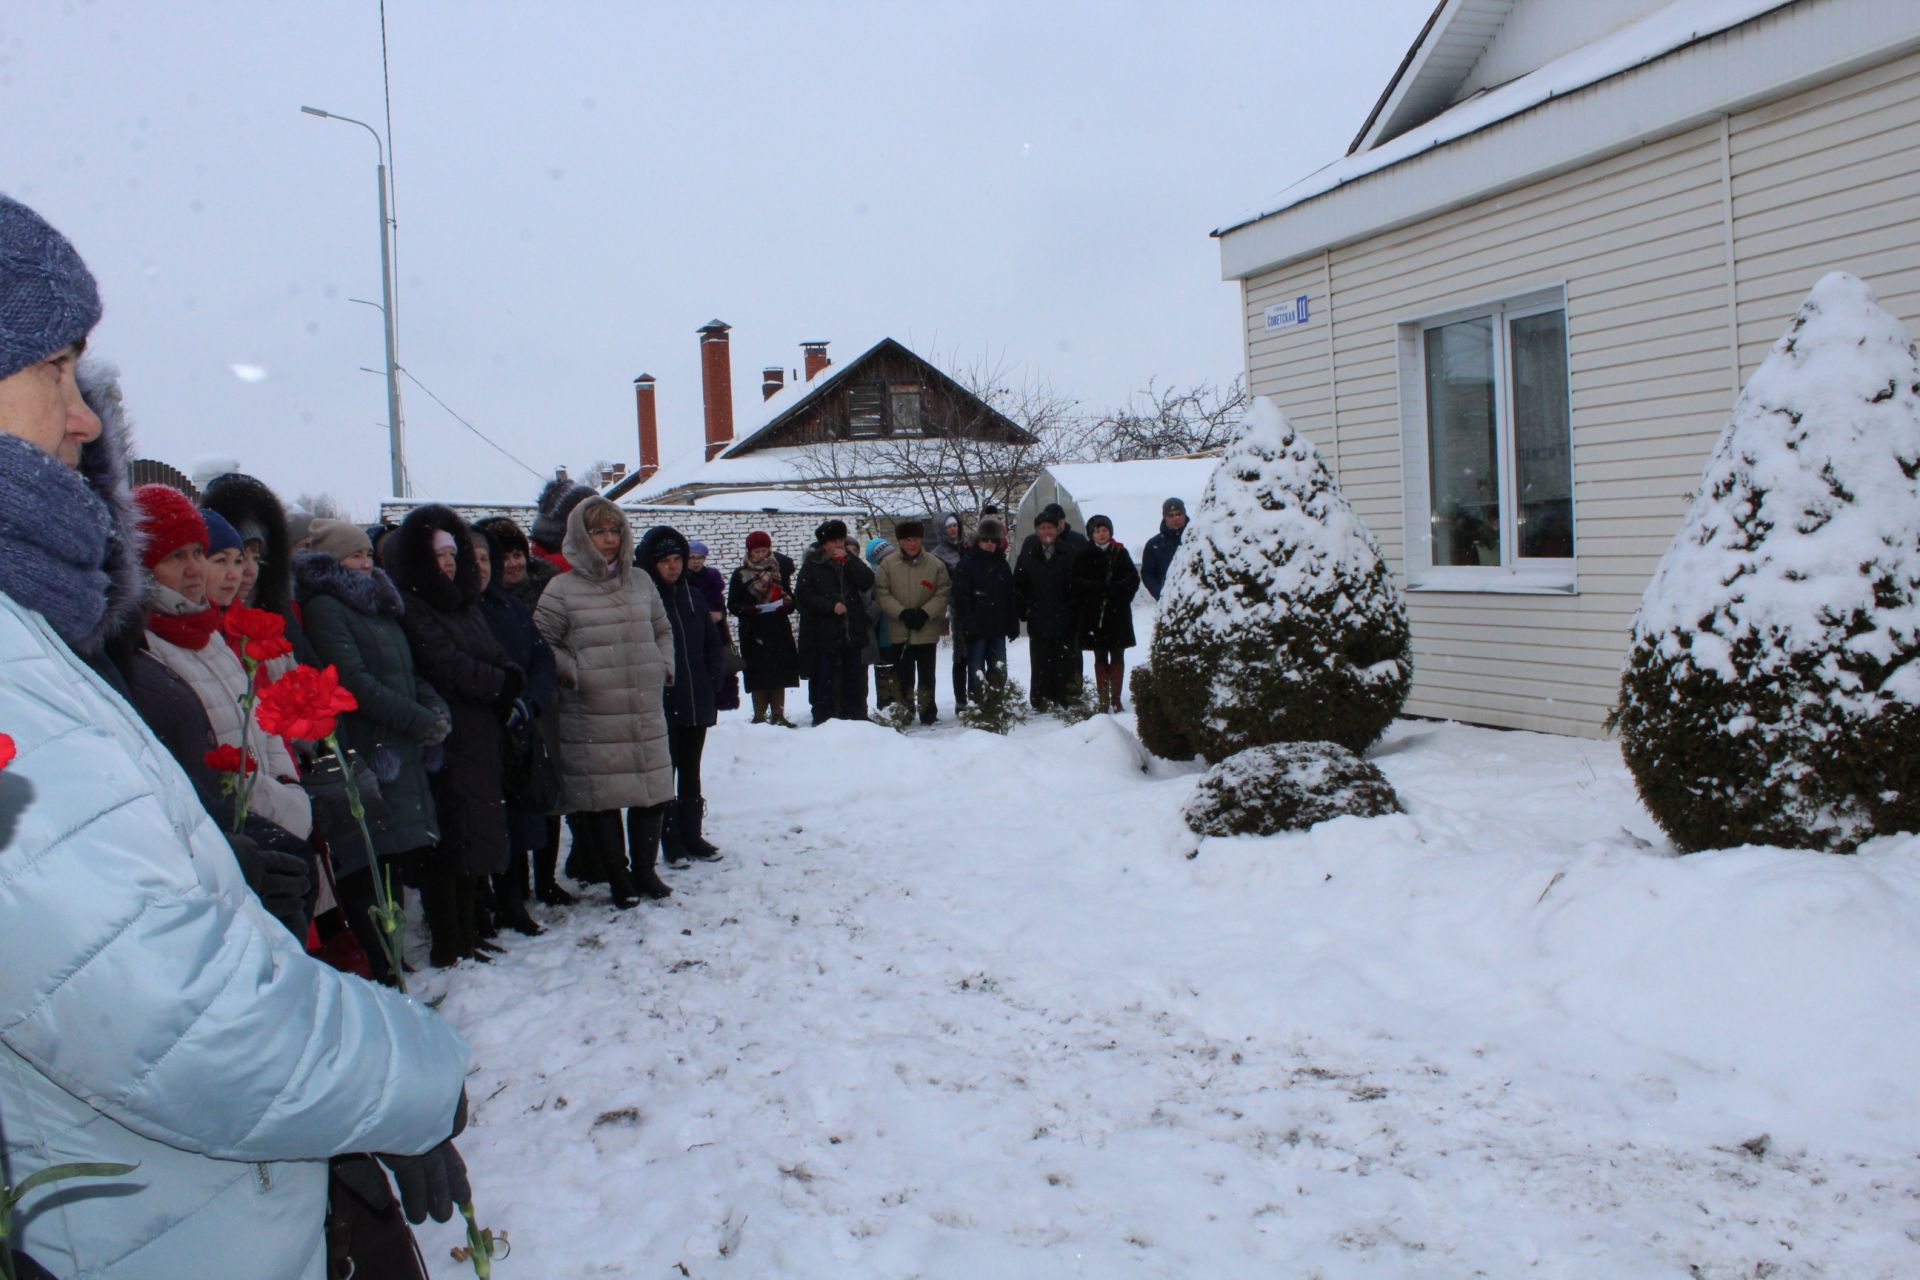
[508, 535]
[557, 502]
[168, 522]
[338, 538]
[830, 530]
[909, 529]
[221, 536]
[759, 538]
[989, 529]
[1172, 505]
[48, 298]
[253, 509]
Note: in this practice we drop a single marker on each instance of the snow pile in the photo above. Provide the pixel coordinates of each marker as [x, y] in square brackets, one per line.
[1289, 786]
[1280, 621]
[1771, 694]
[983, 1018]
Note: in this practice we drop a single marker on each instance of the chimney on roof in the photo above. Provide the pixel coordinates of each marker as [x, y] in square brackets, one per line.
[772, 379]
[649, 426]
[716, 385]
[816, 357]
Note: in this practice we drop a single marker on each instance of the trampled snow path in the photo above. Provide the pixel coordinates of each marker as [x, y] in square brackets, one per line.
[959, 1006]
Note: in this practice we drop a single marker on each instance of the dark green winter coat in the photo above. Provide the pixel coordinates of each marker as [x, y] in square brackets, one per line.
[353, 623]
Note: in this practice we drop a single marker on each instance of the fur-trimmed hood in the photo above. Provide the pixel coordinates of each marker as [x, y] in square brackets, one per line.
[249, 506]
[315, 573]
[408, 554]
[103, 465]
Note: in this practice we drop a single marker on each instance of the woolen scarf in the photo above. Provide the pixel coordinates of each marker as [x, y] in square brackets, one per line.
[53, 541]
[178, 620]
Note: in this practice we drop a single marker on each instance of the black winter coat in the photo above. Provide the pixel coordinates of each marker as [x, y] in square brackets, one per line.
[353, 623]
[454, 648]
[520, 640]
[1104, 585]
[698, 642]
[983, 603]
[1043, 587]
[823, 583]
[1157, 558]
[766, 639]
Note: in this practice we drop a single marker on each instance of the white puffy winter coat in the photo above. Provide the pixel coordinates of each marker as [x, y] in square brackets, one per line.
[218, 680]
[152, 1012]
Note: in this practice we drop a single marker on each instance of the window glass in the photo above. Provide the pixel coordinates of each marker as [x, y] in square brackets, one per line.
[906, 410]
[1462, 445]
[1542, 442]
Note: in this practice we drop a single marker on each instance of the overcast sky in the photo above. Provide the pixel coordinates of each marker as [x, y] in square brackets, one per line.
[580, 186]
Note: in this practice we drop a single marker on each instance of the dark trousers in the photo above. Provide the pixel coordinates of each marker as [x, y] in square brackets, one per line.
[685, 745]
[914, 669]
[959, 673]
[838, 687]
[602, 835]
[1056, 669]
[356, 894]
[885, 682]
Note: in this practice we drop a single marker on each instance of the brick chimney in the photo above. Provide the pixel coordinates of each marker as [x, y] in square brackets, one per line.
[772, 379]
[649, 426]
[816, 357]
[716, 385]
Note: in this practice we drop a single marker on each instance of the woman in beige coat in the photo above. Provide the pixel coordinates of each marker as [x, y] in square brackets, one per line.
[613, 645]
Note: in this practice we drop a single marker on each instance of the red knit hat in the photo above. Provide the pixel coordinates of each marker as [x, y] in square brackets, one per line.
[759, 538]
[168, 522]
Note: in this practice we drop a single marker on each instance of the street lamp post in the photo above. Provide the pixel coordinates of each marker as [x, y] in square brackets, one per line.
[396, 429]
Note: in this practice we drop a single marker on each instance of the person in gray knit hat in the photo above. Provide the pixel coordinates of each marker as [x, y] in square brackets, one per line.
[124, 912]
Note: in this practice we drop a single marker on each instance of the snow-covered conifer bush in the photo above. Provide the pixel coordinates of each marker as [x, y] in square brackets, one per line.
[998, 706]
[1288, 786]
[1157, 733]
[1771, 692]
[1279, 621]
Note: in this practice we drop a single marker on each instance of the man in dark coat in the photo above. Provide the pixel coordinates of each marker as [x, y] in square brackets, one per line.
[431, 559]
[1043, 587]
[698, 647]
[761, 596]
[985, 615]
[520, 640]
[831, 592]
[1158, 556]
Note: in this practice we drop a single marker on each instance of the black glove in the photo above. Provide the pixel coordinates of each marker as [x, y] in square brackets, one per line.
[914, 618]
[363, 1175]
[519, 716]
[280, 880]
[432, 1184]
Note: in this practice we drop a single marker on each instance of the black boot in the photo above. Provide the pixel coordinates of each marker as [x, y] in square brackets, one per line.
[607, 841]
[546, 889]
[692, 811]
[443, 922]
[510, 900]
[583, 861]
[643, 840]
[672, 846]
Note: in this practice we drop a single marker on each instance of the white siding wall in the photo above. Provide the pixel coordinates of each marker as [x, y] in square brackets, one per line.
[1646, 244]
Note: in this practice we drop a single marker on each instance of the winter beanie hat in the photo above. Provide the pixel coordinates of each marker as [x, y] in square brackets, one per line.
[1172, 505]
[338, 539]
[1098, 522]
[48, 298]
[557, 502]
[221, 536]
[696, 548]
[168, 522]
[830, 530]
[759, 538]
[1049, 514]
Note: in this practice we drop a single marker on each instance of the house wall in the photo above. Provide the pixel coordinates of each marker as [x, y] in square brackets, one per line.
[1682, 261]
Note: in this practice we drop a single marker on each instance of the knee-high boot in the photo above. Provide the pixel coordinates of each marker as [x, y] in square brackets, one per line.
[1117, 681]
[510, 897]
[546, 887]
[437, 899]
[643, 841]
[583, 861]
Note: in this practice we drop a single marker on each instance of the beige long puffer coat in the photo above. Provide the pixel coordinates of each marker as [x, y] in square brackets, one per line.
[613, 644]
[218, 680]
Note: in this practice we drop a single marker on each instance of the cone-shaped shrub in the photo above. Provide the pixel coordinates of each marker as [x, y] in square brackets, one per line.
[1279, 621]
[1157, 733]
[1771, 688]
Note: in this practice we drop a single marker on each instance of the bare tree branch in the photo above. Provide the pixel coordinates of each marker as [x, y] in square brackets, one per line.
[1172, 422]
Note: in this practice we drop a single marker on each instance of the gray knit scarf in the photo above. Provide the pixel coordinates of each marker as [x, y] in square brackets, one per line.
[53, 542]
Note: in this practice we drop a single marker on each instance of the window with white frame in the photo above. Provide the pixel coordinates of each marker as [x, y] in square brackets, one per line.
[1487, 447]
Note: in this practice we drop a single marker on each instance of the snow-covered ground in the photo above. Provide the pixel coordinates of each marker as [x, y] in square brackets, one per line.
[963, 1006]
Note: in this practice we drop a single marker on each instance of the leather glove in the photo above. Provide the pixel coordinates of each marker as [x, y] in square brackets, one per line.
[914, 618]
[519, 717]
[430, 1185]
[280, 880]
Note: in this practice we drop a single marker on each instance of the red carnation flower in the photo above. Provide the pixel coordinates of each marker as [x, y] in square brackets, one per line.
[304, 703]
[229, 760]
[7, 750]
[926, 584]
[263, 633]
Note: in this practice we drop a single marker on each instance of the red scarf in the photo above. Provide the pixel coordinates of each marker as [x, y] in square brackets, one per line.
[187, 630]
